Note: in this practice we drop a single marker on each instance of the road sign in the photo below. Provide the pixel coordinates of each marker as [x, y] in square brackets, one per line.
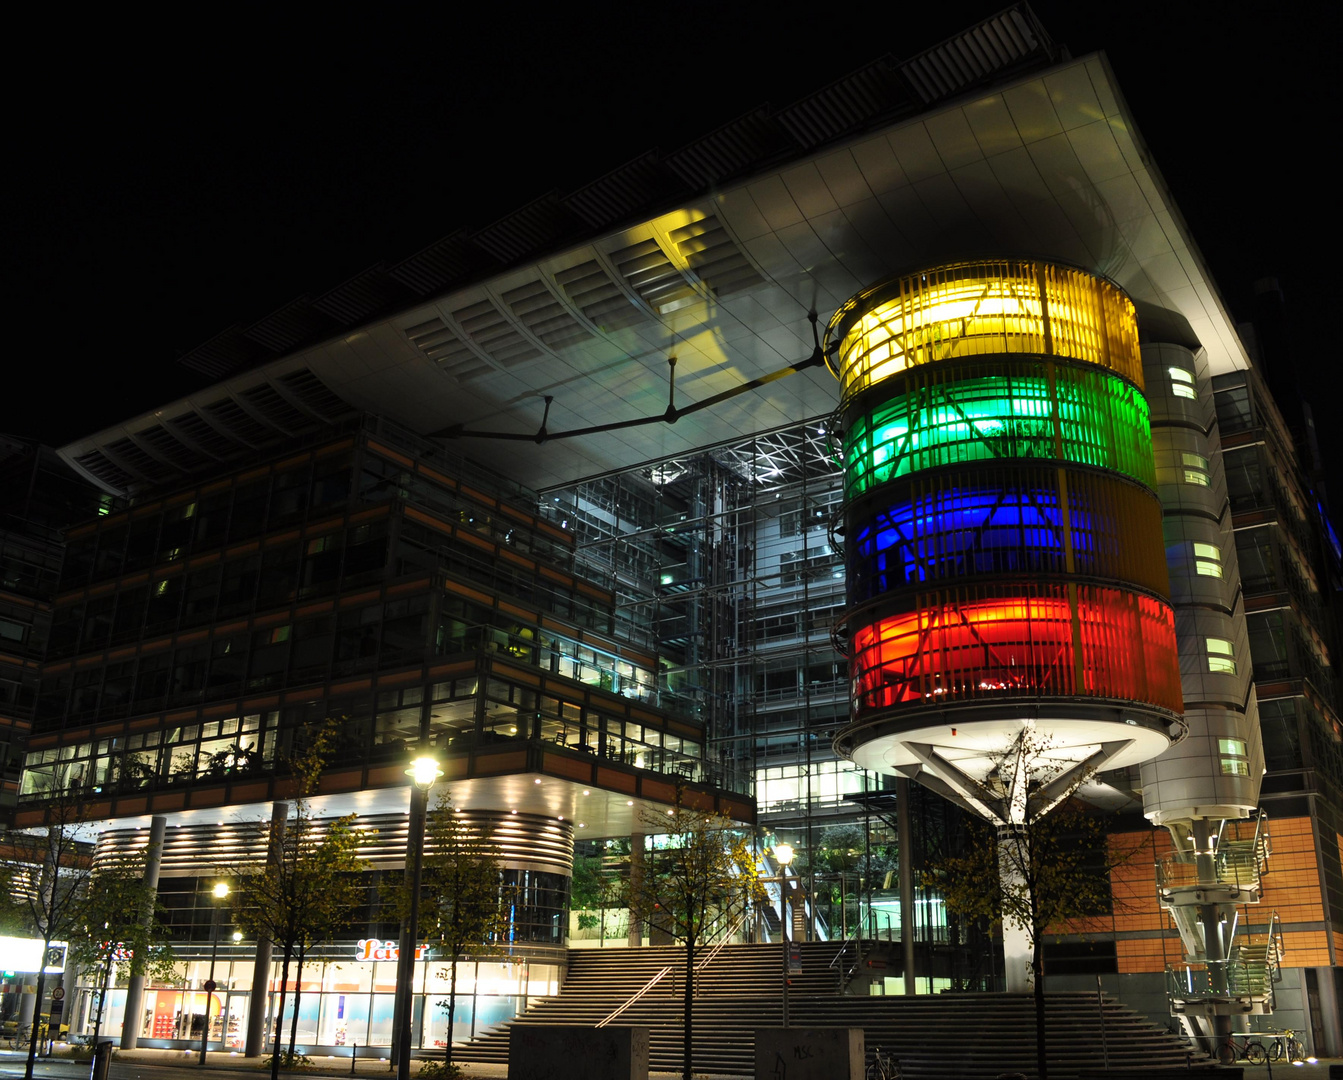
[209, 985]
[56, 1006]
[58, 993]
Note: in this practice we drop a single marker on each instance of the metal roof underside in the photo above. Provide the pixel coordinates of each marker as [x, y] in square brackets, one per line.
[1047, 164]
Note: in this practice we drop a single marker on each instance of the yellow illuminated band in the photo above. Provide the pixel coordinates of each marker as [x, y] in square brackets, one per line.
[983, 308]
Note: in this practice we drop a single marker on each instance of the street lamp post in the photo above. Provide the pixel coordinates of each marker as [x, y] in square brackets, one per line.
[423, 772]
[783, 855]
[221, 891]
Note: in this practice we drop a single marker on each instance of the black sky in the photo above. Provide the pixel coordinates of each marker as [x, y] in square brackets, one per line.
[164, 182]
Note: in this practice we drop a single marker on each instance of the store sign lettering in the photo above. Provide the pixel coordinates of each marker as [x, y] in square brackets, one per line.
[375, 949]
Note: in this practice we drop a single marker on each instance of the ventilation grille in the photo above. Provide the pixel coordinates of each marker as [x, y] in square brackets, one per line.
[363, 296]
[998, 43]
[231, 416]
[545, 318]
[598, 297]
[714, 258]
[544, 223]
[164, 444]
[201, 434]
[625, 191]
[441, 263]
[114, 476]
[139, 460]
[492, 333]
[744, 144]
[275, 409]
[844, 105]
[312, 392]
[651, 274]
[441, 345]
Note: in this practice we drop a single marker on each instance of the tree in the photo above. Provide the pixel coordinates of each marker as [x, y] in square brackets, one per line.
[1046, 862]
[44, 882]
[121, 927]
[463, 899]
[698, 880]
[307, 889]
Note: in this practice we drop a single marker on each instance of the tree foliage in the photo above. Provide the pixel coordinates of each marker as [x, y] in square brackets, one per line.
[698, 882]
[463, 900]
[1046, 862]
[307, 889]
[51, 889]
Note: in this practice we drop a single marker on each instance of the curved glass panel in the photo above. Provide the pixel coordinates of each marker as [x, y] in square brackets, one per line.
[980, 308]
[1006, 521]
[991, 643]
[1017, 409]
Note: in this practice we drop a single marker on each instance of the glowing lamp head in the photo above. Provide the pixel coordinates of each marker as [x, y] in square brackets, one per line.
[221, 890]
[783, 854]
[237, 935]
[424, 771]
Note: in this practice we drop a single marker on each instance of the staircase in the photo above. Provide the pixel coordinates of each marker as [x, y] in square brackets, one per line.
[965, 1036]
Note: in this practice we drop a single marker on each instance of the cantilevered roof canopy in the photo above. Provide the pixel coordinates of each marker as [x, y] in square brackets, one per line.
[1047, 164]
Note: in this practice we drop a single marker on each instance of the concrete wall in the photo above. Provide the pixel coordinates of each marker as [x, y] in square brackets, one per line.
[577, 1053]
[796, 1053]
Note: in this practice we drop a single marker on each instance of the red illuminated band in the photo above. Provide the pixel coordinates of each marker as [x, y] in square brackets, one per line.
[1027, 645]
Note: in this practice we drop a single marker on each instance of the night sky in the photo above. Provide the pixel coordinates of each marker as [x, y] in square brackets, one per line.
[164, 181]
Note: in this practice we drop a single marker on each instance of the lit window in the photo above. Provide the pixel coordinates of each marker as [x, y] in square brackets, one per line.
[1221, 656]
[1235, 767]
[1234, 757]
[1195, 469]
[1182, 383]
[1208, 560]
[1235, 747]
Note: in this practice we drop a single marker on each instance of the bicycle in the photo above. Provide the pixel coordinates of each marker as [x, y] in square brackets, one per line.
[1251, 1050]
[1285, 1043]
[20, 1037]
[882, 1066]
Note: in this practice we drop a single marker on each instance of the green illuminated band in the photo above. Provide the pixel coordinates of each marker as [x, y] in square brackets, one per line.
[1007, 410]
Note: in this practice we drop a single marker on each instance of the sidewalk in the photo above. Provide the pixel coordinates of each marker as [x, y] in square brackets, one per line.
[124, 1062]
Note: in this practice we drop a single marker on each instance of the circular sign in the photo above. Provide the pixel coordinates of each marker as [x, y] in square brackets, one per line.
[209, 985]
[58, 993]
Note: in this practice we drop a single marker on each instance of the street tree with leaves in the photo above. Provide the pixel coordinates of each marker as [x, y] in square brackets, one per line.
[307, 889]
[464, 902]
[698, 881]
[51, 890]
[1040, 860]
[122, 932]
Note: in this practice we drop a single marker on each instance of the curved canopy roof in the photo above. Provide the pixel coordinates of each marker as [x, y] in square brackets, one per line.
[1047, 164]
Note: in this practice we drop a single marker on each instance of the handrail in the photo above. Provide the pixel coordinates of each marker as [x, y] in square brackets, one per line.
[843, 945]
[637, 995]
[736, 924]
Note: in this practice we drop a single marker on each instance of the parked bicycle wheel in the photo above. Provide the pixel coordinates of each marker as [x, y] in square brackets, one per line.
[1255, 1053]
[1226, 1054]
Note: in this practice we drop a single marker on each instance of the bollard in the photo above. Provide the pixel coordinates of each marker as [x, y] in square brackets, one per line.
[354, 1056]
[102, 1059]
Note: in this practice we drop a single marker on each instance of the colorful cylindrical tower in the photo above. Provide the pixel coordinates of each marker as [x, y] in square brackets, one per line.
[1005, 564]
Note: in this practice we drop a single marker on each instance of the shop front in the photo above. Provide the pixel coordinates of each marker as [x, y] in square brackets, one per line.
[344, 998]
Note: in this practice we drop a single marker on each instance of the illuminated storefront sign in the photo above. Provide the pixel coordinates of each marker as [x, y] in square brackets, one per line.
[377, 949]
[25, 954]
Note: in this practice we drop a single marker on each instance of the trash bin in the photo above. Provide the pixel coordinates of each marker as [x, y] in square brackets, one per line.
[102, 1058]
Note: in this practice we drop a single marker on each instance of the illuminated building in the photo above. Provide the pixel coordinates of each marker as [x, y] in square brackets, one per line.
[707, 547]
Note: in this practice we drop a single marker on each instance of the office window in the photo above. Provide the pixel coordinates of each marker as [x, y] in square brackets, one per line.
[1221, 656]
[1195, 469]
[1208, 560]
[1234, 757]
[1182, 383]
